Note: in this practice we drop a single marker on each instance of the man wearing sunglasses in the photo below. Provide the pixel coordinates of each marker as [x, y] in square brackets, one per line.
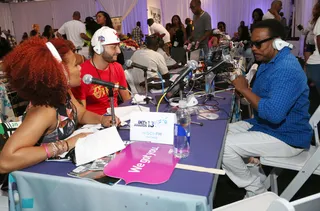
[279, 98]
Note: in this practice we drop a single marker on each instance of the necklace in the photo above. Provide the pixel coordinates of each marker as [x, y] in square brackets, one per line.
[98, 70]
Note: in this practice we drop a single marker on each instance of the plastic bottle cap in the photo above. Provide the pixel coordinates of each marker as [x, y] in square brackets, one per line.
[182, 104]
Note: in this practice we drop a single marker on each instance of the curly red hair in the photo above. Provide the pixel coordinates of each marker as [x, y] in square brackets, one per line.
[35, 74]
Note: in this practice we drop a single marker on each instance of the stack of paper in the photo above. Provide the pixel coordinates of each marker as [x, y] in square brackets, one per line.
[98, 145]
[123, 113]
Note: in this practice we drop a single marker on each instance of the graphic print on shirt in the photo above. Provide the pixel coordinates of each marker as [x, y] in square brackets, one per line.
[101, 91]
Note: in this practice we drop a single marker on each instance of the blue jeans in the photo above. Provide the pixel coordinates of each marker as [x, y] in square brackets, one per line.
[313, 73]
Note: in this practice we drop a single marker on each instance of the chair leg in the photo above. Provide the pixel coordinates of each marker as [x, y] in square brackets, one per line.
[271, 180]
[307, 170]
[274, 182]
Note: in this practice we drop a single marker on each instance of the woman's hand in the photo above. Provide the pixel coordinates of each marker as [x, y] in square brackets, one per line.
[73, 140]
[106, 121]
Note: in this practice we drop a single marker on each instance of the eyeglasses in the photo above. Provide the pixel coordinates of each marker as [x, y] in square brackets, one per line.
[259, 43]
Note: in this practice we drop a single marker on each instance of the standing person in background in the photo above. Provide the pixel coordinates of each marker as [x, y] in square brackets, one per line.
[168, 27]
[34, 33]
[11, 39]
[313, 63]
[257, 15]
[36, 27]
[178, 34]
[2, 34]
[189, 27]
[137, 34]
[202, 25]
[103, 19]
[158, 28]
[48, 32]
[283, 19]
[76, 32]
[273, 12]
[91, 28]
[25, 36]
[309, 44]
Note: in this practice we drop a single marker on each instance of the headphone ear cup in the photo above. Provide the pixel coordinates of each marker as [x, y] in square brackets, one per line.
[275, 43]
[98, 49]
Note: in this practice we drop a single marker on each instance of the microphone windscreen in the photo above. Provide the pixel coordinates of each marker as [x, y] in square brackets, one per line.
[87, 79]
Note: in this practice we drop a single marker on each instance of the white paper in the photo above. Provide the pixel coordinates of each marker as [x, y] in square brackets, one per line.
[123, 113]
[154, 127]
[98, 145]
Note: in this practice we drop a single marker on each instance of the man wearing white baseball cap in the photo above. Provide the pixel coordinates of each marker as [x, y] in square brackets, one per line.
[105, 43]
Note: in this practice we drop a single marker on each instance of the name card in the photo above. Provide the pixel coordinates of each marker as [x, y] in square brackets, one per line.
[153, 127]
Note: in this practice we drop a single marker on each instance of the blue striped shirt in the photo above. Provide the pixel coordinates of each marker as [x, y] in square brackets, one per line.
[283, 108]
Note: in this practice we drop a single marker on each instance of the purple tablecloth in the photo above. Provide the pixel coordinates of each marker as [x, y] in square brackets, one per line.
[206, 144]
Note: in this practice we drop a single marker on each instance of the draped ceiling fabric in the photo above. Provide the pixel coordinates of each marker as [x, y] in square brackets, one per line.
[229, 11]
[138, 13]
[5, 18]
[28, 13]
[118, 8]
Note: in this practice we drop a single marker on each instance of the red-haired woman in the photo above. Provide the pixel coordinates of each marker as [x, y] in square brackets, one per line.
[36, 72]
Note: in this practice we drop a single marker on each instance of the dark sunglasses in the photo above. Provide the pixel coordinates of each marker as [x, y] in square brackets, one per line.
[259, 43]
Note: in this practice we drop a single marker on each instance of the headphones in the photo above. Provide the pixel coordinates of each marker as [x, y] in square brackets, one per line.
[279, 44]
[98, 48]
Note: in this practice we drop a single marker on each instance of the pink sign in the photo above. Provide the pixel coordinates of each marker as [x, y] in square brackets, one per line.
[144, 162]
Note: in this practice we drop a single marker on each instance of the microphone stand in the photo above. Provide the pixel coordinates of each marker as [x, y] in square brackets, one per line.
[111, 100]
[181, 89]
[146, 99]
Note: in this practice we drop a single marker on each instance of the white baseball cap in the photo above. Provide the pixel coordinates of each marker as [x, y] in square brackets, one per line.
[105, 36]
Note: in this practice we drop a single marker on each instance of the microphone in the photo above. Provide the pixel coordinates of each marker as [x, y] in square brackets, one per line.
[192, 65]
[130, 63]
[88, 79]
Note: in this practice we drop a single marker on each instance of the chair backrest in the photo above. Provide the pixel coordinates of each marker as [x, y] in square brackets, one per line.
[309, 203]
[130, 81]
[314, 120]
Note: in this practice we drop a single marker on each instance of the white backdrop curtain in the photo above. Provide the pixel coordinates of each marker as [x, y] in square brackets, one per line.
[138, 13]
[118, 8]
[229, 11]
[62, 10]
[5, 18]
[28, 13]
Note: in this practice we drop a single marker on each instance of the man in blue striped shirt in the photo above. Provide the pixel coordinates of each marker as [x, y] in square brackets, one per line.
[279, 97]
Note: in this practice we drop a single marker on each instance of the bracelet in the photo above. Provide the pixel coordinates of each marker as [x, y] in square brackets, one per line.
[54, 149]
[45, 146]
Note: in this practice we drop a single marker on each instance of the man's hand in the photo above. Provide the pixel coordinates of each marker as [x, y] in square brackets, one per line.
[240, 83]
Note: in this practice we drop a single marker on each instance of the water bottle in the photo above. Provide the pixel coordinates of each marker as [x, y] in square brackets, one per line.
[208, 59]
[182, 131]
[209, 79]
